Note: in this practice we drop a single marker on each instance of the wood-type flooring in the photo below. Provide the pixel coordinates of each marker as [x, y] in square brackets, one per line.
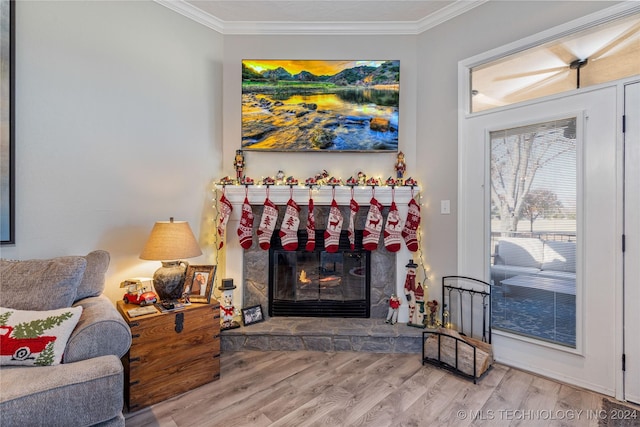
[303, 388]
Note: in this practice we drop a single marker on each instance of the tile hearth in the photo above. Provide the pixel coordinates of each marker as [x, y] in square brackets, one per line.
[324, 334]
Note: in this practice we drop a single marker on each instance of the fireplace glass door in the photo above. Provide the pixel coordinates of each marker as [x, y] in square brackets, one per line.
[319, 283]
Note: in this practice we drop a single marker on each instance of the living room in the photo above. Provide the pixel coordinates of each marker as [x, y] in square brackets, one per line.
[127, 113]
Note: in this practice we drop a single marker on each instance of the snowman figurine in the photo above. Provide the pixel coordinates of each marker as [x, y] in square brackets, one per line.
[227, 310]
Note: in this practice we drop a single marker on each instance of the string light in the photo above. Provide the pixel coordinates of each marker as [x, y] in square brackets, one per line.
[216, 217]
[420, 252]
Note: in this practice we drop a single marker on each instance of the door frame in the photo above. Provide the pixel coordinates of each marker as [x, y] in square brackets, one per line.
[627, 268]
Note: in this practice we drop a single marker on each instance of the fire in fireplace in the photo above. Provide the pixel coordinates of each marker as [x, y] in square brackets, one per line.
[319, 283]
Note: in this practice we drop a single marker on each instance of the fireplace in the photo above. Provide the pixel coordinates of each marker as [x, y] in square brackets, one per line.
[250, 267]
[319, 283]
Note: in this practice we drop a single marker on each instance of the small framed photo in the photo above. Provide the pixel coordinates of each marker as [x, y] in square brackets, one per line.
[252, 315]
[198, 285]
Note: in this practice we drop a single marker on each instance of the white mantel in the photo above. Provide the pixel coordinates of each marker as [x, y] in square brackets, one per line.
[322, 195]
[232, 254]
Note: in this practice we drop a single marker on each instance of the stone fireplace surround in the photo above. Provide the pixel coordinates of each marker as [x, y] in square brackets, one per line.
[249, 269]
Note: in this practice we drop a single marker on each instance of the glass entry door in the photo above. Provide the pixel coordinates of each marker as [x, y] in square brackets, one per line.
[547, 318]
[533, 230]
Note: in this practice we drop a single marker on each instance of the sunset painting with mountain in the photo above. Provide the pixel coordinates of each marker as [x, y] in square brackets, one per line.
[303, 105]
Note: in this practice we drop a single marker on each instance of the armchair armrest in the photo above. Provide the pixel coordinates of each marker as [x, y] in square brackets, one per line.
[101, 331]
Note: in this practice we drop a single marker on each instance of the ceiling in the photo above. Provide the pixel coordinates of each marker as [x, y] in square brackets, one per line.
[321, 16]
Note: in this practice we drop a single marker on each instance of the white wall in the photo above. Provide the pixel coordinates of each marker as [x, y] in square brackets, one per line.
[126, 111]
[118, 125]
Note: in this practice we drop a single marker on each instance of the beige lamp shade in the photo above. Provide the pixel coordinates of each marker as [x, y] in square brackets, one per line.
[171, 240]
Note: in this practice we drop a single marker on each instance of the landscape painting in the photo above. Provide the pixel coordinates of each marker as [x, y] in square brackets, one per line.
[307, 105]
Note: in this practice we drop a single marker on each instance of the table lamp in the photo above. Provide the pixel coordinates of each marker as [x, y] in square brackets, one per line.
[170, 242]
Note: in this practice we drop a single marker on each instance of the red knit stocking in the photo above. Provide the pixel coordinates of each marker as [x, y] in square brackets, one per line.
[353, 210]
[373, 226]
[267, 224]
[289, 228]
[311, 227]
[245, 228]
[225, 209]
[409, 232]
[392, 229]
[334, 227]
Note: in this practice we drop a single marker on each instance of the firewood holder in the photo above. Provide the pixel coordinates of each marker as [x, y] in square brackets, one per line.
[466, 302]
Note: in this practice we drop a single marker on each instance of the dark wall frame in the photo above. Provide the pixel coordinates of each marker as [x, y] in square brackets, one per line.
[7, 145]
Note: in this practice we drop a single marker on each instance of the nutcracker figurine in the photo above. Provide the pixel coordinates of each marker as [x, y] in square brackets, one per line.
[238, 163]
[227, 310]
[401, 166]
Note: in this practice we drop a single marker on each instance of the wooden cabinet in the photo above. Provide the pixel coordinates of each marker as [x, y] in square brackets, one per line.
[170, 353]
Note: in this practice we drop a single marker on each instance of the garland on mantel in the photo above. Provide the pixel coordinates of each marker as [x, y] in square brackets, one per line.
[320, 180]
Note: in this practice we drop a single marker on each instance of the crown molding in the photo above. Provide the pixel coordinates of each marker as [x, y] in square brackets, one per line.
[320, 28]
[446, 13]
[193, 13]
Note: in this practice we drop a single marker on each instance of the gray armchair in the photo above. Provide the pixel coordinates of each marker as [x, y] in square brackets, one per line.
[87, 387]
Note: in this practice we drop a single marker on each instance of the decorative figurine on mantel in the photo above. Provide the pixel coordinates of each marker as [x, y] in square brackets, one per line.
[401, 166]
[238, 163]
[226, 306]
[362, 178]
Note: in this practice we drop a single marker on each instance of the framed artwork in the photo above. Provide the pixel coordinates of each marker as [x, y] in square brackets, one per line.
[252, 315]
[320, 106]
[198, 285]
[7, 150]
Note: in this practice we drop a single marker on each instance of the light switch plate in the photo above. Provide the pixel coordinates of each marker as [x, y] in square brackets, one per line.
[445, 207]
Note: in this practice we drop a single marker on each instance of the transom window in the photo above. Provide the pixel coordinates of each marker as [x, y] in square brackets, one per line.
[600, 54]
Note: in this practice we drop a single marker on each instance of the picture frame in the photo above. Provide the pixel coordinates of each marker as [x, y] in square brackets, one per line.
[253, 314]
[320, 105]
[198, 284]
[7, 135]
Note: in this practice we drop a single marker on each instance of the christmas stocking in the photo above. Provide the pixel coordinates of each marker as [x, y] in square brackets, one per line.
[409, 232]
[334, 227]
[267, 224]
[289, 228]
[225, 209]
[311, 228]
[373, 226]
[245, 228]
[353, 210]
[392, 229]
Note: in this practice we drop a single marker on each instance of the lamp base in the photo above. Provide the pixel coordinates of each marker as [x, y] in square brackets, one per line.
[168, 280]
